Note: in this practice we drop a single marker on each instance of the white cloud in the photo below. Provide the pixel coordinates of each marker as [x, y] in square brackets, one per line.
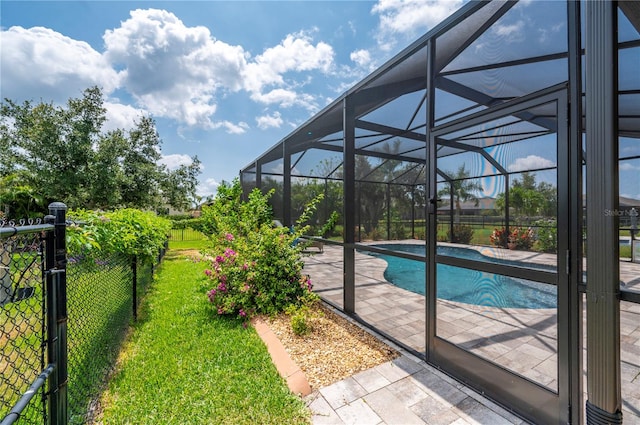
[409, 17]
[296, 53]
[627, 166]
[508, 30]
[286, 98]
[530, 162]
[266, 121]
[546, 35]
[232, 128]
[208, 187]
[172, 70]
[509, 33]
[361, 57]
[179, 72]
[352, 27]
[174, 161]
[121, 116]
[40, 60]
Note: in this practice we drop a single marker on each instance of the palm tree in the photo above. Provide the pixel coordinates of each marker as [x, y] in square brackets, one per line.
[461, 188]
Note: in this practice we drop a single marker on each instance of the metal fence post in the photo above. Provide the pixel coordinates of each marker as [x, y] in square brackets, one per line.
[56, 262]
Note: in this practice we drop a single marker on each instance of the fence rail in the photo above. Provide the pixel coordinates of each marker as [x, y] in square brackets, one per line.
[62, 321]
[185, 234]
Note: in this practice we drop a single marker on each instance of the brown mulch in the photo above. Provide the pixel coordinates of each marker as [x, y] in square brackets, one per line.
[334, 350]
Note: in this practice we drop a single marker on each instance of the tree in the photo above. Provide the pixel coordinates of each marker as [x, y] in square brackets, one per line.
[370, 195]
[141, 185]
[529, 198]
[107, 174]
[62, 154]
[460, 188]
[179, 186]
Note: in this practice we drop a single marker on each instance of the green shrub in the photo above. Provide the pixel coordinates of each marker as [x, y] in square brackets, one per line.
[256, 267]
[300, 316]
[338, 231]
[299, 324]
[126, 231]
[178, 217]
[135, 232]
[228, 214]
[376, 234]
[547, 235]
[523, 238]
[461, 234]
[190, 223]
[330, 225]
[86, 235]
[398, 230]
[519, 237]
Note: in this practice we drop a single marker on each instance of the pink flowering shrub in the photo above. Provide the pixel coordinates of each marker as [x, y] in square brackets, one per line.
[257, 268]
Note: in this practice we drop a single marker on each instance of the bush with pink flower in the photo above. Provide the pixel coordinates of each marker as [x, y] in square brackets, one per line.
[256, 268]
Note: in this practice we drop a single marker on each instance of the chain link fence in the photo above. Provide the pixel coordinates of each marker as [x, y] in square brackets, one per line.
[22, 319]
[55, 374]
[103, 298]
[99, 297]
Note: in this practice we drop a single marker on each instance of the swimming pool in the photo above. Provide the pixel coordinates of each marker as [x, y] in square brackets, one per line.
[466, 285]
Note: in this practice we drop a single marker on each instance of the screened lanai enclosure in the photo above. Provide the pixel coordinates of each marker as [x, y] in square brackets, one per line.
[486, 182]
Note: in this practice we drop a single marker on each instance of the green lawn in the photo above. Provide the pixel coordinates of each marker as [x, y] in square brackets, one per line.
[183, 364]
[197, 244]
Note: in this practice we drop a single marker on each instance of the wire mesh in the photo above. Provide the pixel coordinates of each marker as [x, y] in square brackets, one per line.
[22, 323]
[99, 296]
[145, 276]
[185, 234]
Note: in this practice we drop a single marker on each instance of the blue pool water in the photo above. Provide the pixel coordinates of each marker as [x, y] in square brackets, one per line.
[466, 285]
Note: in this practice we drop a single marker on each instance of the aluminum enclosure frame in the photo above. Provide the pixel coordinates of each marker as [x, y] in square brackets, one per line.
[421, 68]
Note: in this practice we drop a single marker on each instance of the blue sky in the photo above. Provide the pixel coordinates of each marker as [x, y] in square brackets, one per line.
[224, 80]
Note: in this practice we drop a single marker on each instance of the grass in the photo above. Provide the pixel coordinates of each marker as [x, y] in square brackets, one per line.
[480, 235]
[184, 364]
[197, 244]
[625, 251]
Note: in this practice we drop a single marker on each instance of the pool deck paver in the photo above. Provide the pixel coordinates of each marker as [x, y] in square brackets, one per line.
[523, 340]
[403, 391]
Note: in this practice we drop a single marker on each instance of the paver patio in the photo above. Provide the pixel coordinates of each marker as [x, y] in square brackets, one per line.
[522, 340]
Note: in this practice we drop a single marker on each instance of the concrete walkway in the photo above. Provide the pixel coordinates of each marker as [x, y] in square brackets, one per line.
[404, 391]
